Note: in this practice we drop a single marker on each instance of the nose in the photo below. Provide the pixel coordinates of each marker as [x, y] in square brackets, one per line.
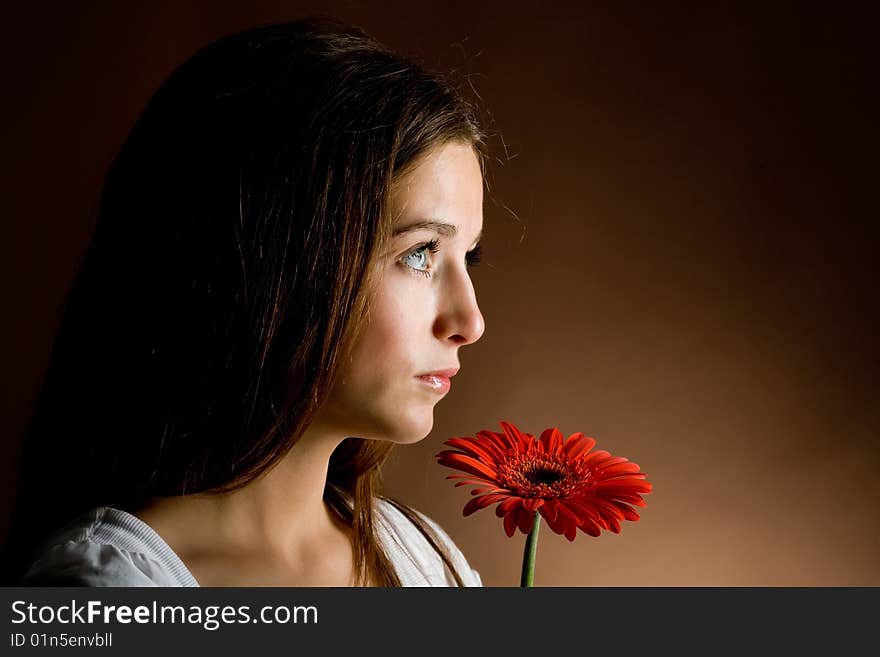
[459, 318]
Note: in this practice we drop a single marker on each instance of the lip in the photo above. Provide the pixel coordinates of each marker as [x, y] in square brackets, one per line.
[437, 383]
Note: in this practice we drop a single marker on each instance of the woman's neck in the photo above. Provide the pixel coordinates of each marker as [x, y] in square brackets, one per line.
[281, 516]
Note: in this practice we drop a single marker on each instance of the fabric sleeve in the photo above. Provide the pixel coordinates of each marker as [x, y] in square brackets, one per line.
[470, 576]
[87, 563]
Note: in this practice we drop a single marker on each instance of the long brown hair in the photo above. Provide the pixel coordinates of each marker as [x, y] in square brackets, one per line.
[229, 275]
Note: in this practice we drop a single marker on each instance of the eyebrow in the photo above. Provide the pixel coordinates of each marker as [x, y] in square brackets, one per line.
[441, 227]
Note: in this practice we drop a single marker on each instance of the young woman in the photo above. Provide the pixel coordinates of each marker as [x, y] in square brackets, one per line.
[275, 296]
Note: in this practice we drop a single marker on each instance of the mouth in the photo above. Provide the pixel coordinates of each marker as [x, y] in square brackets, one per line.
[438, 383]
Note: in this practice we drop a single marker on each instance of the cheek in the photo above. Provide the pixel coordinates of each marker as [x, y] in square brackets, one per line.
[398, 332]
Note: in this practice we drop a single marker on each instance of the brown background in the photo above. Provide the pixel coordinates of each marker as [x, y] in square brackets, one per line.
[680, 259]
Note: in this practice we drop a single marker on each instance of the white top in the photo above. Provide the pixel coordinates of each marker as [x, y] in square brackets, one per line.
[110, 547]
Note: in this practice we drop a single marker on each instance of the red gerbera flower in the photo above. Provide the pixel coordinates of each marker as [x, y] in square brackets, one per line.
[568, 485]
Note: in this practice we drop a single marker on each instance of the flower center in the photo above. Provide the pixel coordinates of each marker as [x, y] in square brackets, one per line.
[536, 475]
[542, 476]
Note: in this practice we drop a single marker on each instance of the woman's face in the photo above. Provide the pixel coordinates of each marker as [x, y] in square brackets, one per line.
[425, 308]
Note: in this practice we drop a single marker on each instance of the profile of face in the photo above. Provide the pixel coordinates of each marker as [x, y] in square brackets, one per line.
[425, 308]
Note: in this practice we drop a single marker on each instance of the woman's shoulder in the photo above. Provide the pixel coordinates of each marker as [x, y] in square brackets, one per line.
[418, 563]
[106, 547]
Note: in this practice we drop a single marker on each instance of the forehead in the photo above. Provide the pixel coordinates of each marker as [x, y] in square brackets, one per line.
[445, 182]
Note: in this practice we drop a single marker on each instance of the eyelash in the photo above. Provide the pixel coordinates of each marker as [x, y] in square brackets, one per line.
[472, 257]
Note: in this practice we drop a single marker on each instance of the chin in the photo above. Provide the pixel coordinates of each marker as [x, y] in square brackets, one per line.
[410, 429]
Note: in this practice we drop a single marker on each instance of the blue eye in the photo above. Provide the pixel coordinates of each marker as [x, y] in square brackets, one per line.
[418, 261]
[421, 262]
[420, 257]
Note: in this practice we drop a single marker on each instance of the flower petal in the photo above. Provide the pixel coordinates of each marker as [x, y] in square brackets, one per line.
[628, 512]
[489, 440]
[614, 525]
[510, 523]
[458, 475]
[606, 509]
[499, 440]
[525, 520]
[479, 482]
[467, 464]
[517, 440]
[622, 487]
[556, 523]
[632, 499]
[508, 506]
[548, 509]
[589, 527]
[473, 448]
[569, 522]
[577, 445]
[532, 503]
[477, 503]
[579, 510]
[551, 439]
[619, 468]
[595, 457]
[494, 489]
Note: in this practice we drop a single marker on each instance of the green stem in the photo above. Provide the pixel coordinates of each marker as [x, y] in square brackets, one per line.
[528, 567]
